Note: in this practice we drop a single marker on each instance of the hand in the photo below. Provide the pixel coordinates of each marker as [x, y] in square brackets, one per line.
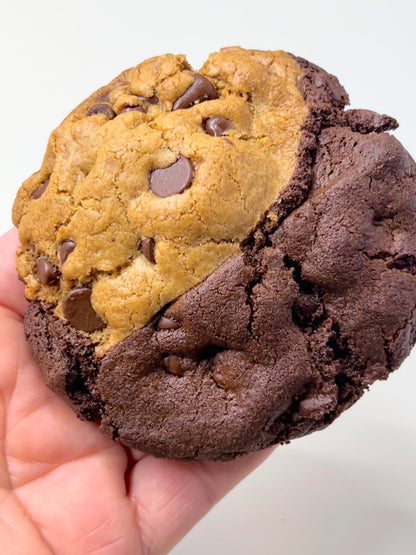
[65, 488]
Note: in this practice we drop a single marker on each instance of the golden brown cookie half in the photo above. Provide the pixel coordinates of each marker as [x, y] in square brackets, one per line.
[218, 260]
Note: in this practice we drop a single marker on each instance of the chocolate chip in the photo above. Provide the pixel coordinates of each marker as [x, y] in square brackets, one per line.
[174, 179]
[216, 126]
[173, 364]
[65, 249]
[148, 249]
[78, 310]
[140, 107]
[101, 108]
[137, 108]
[41, 189]
[151, 99]
[200, 90]
[167, 324]
[47, 272]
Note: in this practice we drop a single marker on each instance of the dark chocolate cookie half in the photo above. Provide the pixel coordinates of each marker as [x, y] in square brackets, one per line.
[288, 323]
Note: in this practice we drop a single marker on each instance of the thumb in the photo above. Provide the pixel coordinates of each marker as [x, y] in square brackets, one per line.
[11, 289]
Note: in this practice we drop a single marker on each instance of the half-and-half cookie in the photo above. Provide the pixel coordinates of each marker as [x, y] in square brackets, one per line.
[218, 260]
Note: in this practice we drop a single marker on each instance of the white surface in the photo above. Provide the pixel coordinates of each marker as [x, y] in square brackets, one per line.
[351, 488]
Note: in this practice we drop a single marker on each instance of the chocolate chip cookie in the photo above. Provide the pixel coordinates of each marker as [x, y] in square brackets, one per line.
[218, 260]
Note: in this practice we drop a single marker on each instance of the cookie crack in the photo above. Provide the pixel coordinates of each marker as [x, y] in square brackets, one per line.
[308, 310]
[402, 262]
[249, 290]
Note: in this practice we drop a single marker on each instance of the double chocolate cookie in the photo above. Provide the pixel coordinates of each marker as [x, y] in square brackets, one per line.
[222, 260]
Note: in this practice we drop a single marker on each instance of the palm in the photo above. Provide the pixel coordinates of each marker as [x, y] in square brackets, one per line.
[66, 488]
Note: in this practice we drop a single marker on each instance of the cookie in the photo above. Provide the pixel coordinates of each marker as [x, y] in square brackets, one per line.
[218, 260]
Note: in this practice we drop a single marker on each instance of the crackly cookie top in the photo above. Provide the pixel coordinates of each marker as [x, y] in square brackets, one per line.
[153, 181]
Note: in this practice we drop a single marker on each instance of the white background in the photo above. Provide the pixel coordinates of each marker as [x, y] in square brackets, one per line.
[351, 488]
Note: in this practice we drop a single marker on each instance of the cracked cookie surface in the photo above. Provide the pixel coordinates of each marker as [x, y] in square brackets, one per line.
[317, 301]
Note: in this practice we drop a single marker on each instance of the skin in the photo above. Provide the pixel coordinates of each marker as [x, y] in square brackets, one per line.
[64, 487]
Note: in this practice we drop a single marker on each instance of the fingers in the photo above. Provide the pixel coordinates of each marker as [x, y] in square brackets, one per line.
[171, 496]
[66, 477]
[11, 289]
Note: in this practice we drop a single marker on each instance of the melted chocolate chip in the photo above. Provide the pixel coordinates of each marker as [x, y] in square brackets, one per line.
[151, 99]
[41, 189]
[78, 310]
[173, 364]
[47, 272]
[141, 107]
[65, 249]
[101, 108]
[174, 179]
[167, 324]
[148, 249]
[137, 108]
[216, 126]
[201, 89]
